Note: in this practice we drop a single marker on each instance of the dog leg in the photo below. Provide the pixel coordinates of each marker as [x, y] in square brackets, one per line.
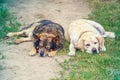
[22, 40]
[72, 50]
[29, 38]
[14, 34]
[33, 52]
[103, 48]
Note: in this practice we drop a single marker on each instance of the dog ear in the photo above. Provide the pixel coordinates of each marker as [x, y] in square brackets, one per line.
[80, 44]
[58, 44]
[101, 41]
[56, 39]
[35, 36]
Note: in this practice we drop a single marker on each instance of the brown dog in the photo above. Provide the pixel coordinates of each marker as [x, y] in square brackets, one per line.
[46, 35]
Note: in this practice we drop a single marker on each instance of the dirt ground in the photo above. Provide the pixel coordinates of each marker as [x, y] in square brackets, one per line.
[18, 65]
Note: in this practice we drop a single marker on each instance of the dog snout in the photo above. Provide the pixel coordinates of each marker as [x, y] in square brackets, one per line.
[94, 50]
[42, 53]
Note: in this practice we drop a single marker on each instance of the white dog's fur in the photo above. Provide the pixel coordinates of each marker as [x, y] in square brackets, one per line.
[87, 35]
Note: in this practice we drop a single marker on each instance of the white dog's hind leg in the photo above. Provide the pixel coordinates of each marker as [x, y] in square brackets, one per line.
[72, 49]
[96, 25]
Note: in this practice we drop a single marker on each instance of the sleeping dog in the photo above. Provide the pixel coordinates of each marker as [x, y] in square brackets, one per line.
[46, 35]
[87, 35]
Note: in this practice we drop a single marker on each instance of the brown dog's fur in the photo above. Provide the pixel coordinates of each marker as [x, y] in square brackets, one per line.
[45, 35]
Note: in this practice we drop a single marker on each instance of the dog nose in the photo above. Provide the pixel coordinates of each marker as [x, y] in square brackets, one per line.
[42, 53]
[94, 50]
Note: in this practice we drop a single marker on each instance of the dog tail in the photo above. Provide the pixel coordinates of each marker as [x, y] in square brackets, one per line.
[109, 34]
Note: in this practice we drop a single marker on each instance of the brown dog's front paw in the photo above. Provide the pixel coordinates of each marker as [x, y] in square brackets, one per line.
[52, 53]
[33, 52]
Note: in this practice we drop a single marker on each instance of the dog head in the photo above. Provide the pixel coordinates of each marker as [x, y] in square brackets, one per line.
[46, 43]
[90, 43]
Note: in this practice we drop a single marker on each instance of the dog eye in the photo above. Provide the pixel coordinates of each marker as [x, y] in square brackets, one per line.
[95, 42]
[87, 44]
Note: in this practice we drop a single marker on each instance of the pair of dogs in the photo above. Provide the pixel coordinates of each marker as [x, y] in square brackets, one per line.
[48, 37]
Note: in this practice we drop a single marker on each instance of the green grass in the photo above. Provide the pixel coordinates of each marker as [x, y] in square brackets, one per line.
[103, 66]
[65, 49]
[8, 22]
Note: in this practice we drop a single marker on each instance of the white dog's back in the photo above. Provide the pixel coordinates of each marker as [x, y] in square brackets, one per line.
[100, 28]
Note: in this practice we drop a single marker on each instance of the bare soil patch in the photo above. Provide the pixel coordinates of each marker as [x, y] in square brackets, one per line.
[20, 66]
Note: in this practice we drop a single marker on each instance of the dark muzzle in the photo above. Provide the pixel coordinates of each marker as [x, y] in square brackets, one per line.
[94, 51]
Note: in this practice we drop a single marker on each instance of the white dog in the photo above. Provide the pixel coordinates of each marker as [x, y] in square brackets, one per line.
[88, 36]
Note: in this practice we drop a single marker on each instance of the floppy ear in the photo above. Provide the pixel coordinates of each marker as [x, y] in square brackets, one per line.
[80, 44]
[58, 43]
[56, 39]
[101, 42]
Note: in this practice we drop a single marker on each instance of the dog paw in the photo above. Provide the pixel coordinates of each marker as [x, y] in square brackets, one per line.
[32, 52]
[10, 34]
[103, 48]
[71, 53]
[52, 53]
